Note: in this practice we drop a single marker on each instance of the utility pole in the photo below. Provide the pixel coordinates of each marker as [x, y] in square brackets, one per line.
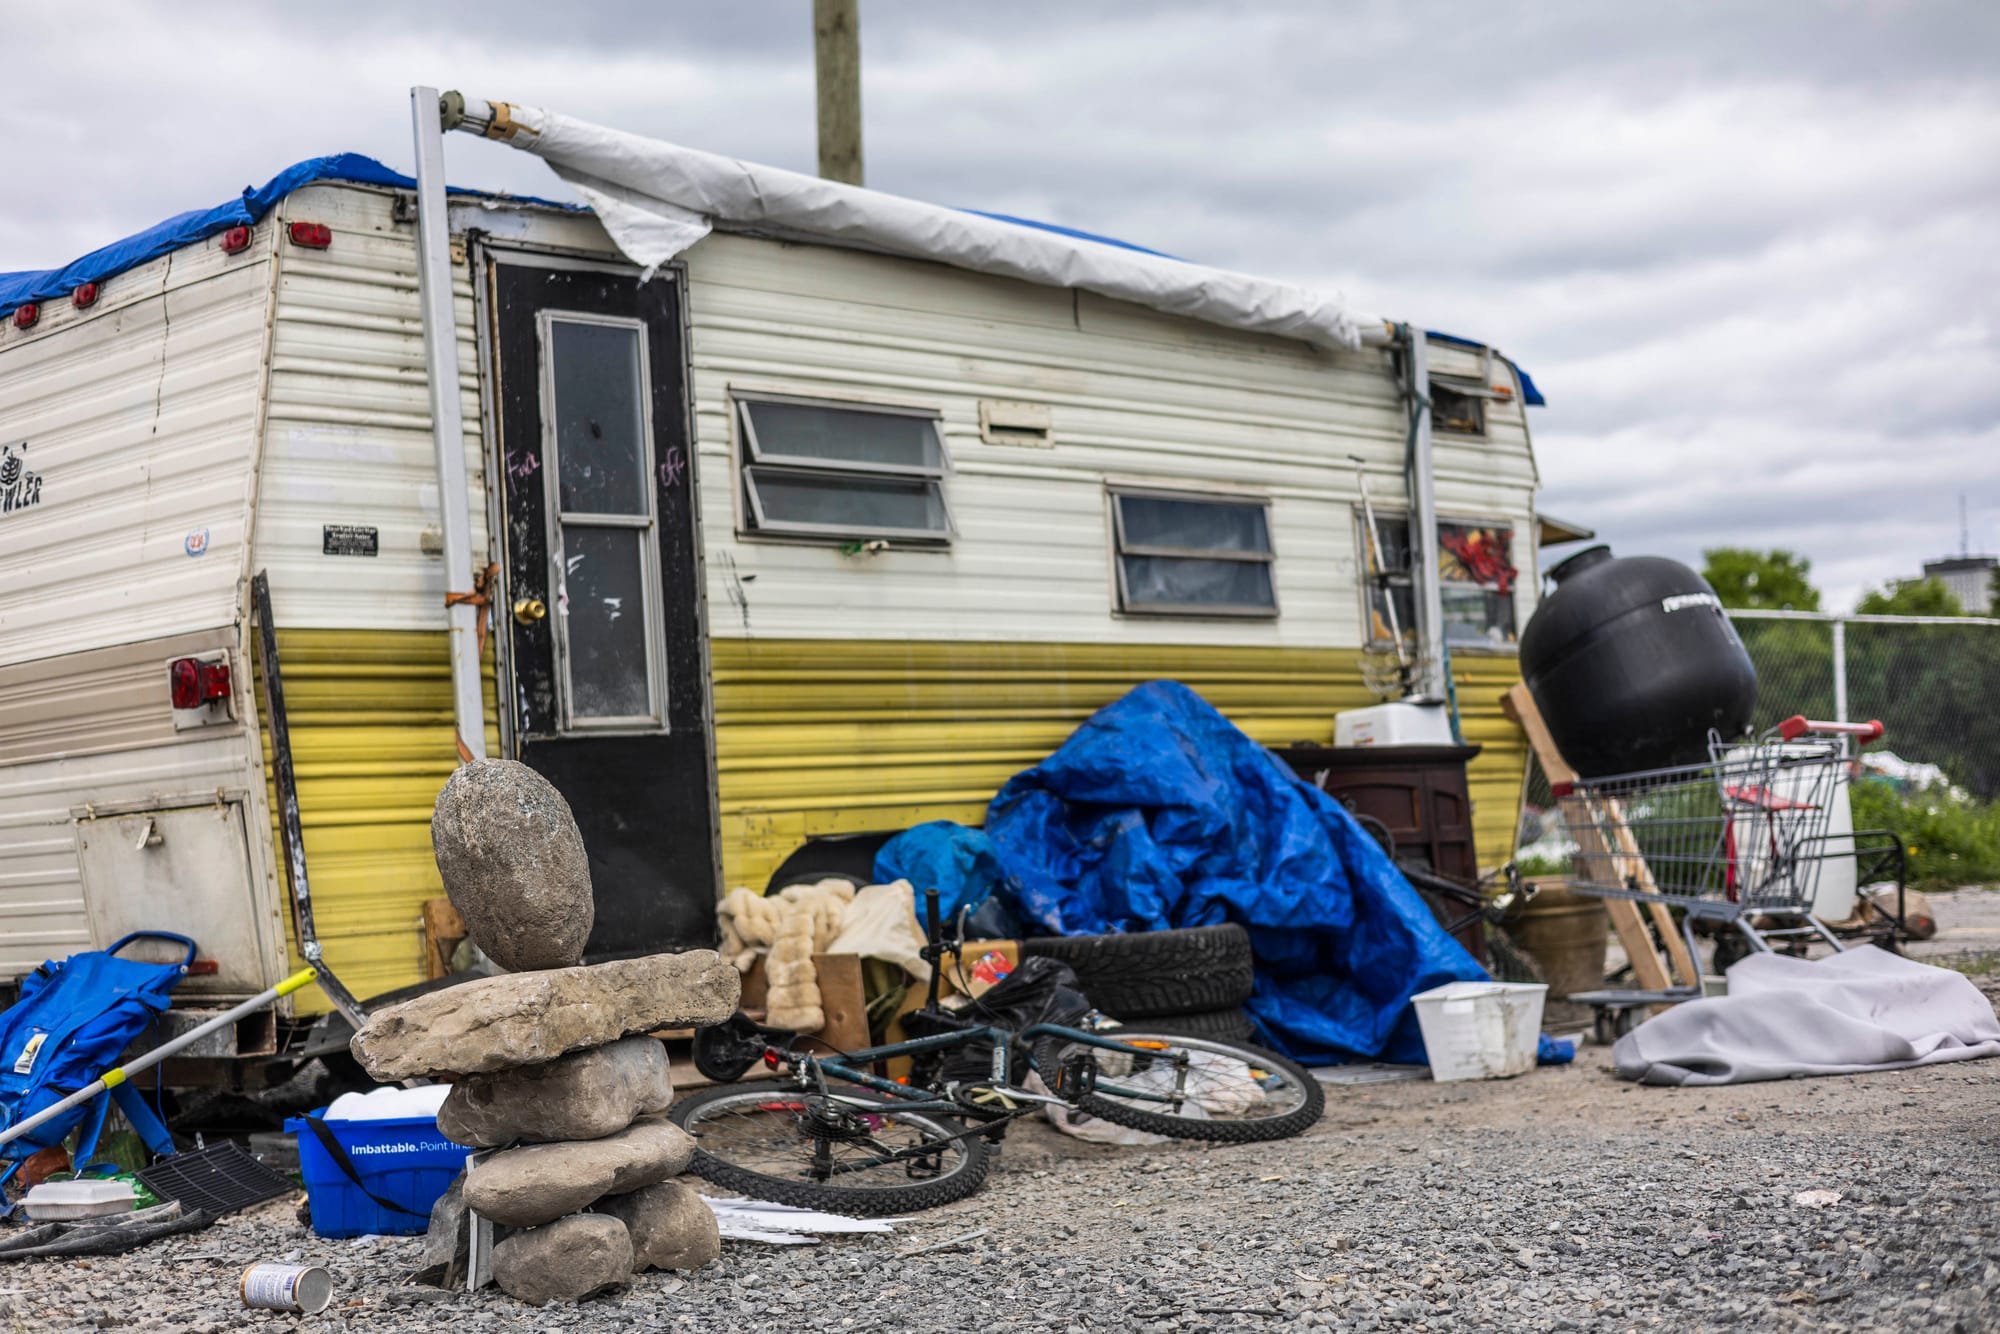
[837, 76]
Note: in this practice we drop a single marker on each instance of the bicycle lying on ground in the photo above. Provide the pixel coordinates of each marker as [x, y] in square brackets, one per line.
[829, 1133]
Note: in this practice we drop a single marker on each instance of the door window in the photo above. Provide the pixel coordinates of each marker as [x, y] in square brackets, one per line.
[603, 539]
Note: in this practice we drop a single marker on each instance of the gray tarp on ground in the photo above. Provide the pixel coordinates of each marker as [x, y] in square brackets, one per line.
[1861, 1010]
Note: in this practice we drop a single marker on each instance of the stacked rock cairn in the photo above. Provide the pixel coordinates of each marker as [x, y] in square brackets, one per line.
[549, 1061]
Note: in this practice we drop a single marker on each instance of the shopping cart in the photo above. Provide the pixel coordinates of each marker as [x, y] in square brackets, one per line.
[1737, 844]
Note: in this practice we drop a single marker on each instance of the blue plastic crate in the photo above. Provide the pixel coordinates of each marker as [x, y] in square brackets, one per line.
[405, 1161]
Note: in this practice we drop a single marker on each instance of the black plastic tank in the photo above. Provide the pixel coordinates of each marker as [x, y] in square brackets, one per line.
[1632, 660]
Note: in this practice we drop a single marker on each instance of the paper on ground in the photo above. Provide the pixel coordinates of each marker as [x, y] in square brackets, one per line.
[784, 1224]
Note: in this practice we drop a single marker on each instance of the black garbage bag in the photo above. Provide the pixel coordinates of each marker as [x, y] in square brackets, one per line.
[1039, 991]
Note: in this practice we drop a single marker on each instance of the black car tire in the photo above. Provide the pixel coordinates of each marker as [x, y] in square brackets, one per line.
[1148, 974]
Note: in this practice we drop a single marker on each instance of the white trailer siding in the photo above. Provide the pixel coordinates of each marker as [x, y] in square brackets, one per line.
[98, 735]
[347, 437]
[140, 416]
[1136, 397]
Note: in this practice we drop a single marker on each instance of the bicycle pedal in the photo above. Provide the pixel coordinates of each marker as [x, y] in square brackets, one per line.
[1077, 1076]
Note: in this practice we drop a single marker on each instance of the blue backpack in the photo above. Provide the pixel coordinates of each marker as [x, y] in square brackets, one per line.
[73, 1021]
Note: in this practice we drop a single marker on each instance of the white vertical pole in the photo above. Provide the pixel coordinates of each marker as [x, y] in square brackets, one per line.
[1840, 671]
[1423, 525]
[447, 426]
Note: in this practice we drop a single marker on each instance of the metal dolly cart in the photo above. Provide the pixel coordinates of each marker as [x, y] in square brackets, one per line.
[1736, 843]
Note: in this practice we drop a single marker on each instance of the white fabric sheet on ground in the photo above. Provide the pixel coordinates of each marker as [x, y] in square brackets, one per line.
[657, 199]
[1861, 1010]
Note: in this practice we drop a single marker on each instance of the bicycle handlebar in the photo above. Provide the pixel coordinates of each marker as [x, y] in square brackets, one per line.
[1798, 725]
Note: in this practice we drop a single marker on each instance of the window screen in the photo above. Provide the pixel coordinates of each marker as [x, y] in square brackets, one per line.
[1193, 556]
[836, 471]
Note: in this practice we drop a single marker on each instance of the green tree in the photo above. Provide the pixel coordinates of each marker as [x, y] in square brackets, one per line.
[1910, 597]
[1760, 580]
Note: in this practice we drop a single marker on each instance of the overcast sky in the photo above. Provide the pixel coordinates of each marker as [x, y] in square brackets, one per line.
[1751, 252]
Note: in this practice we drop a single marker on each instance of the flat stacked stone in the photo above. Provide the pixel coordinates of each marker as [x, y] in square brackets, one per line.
[552, 1066]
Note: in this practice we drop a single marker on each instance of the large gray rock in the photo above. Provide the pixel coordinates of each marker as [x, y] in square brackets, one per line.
[446, 1242]
[513, 865]
[671, 1228]
[516, 1019]
[527, 1186]
[566, 1261]
[585, 1095]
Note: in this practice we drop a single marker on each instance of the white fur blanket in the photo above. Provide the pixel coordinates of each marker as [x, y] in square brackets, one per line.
[830, 917]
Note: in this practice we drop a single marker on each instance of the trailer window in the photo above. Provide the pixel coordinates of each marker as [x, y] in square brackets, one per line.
[1475, 581]
[839, 471]
[1457, 408]
[603, 541]
[1183, 555]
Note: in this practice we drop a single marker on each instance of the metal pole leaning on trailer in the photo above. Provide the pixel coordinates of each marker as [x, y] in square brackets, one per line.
[118, 1074]
[447, 423]
[1432, 669]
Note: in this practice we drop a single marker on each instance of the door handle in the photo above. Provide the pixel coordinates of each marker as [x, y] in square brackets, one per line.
[529, 610]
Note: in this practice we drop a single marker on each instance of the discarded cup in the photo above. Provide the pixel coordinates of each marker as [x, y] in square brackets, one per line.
[302, 1289]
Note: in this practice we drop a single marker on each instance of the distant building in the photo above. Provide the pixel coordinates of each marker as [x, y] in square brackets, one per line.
[1970, 579]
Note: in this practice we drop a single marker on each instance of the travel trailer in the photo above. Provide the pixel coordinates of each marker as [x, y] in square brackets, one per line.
[780, 530]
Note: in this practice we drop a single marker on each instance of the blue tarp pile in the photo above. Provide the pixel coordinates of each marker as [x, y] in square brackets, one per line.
[1157, 812]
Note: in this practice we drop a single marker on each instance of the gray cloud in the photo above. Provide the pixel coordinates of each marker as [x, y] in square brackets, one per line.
[1747, 249]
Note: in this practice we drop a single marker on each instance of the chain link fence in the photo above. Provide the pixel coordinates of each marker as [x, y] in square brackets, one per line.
[1933, 683]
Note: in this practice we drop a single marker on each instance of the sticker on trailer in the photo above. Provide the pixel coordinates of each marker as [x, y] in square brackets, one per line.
[197, 542]
[19, 488]
[25, 1062]
[346, 539]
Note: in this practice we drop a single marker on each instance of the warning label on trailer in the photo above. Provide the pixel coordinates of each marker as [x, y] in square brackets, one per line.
[346, 539]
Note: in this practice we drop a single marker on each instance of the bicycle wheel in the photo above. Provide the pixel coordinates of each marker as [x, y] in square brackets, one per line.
[779, 1144]
[1234, 1093]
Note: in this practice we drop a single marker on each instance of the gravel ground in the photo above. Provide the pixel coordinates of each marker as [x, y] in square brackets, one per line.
[1564, 1199]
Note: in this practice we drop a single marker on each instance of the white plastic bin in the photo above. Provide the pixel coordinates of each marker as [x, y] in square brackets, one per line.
[1398, 724]
[1481, 1030]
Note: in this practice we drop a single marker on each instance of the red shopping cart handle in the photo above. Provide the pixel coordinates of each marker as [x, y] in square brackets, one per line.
[1799, 725]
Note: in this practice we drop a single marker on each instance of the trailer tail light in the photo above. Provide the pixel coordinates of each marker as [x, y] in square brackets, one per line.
[25, 316]
[196, 684]
[234, 240]
[84, 297]
[312, 235]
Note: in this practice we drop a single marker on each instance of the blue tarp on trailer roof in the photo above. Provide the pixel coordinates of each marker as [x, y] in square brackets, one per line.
[101, 265]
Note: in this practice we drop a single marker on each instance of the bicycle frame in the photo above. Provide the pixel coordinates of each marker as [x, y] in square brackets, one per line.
[848, 1068]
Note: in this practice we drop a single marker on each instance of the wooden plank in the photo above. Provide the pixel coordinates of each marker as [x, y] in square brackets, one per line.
[1649, 970]
[443, 930]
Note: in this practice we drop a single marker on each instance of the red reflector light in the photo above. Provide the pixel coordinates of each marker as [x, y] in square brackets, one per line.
[194, 684]
[204, 968]
[235, 239]
[84, 297]
[312, 235]
[25, 316]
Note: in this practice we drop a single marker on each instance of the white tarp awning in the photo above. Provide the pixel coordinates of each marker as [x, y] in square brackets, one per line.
[656, 199]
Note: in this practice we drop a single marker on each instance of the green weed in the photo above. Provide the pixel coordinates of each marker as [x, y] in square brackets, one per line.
[1950, 840]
